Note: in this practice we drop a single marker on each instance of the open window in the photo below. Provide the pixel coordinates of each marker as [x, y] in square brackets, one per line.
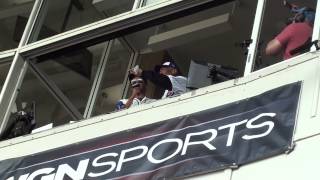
[214, 36]
[87, 79]
[275, 23]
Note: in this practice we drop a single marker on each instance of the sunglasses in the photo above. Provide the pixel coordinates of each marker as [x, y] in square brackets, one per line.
[136, 82]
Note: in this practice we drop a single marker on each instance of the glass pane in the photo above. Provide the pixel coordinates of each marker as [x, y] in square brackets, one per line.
[35, 109]
[14, 15]
[114, 78]
[4, 69]
[63, 15]
[148, 2]
[278, 23]
[210, 38]
[73, 72]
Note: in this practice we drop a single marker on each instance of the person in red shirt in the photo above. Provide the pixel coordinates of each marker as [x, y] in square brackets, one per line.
[294, 35]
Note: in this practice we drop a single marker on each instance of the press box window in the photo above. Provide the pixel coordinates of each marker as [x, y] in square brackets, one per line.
[211, 40]
[62, 15]
[13, 17]
[273, 24]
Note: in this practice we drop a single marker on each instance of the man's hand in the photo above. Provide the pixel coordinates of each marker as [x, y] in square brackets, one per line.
[274, 47]
[135, 92]
[136, 71]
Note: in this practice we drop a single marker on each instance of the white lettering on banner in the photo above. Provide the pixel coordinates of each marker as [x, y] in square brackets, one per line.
[23, 177]
[232, 129]
[123, 154]
[205, 142]
[95, 163]
[44, 171]
[249, 125]
[143, 151]
[65, 169]
[157, 161]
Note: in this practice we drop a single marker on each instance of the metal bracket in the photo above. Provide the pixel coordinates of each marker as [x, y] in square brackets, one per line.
[290, 148]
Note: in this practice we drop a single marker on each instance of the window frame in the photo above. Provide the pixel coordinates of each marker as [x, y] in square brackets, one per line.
[105, 30]
[93, 33]
[256, 30]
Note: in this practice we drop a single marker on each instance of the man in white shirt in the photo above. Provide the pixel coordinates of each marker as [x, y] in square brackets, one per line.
[138, 96]
[167, 77]
[179, 83]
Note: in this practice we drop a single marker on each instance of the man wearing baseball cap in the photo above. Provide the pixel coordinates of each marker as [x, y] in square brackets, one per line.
[138, 94]
[166, 76]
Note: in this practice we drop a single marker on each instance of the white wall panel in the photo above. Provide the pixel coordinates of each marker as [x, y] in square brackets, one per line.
[220, 175]
[300, 164]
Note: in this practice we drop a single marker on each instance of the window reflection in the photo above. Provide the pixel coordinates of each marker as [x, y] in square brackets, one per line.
[48, 111]
[14, 15]
[115, 76]
[4, 69]
[64, 15]
[73, 72]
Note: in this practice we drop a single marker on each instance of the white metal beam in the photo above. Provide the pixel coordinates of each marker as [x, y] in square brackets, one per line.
[10, 89]
[136, 5]
[17, 71]
[252, 49]
[316, 26]
[111, 25]
[6, 54]
[97, 80]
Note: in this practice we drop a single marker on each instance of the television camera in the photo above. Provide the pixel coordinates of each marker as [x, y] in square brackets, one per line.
[203, 74]
[21, 122]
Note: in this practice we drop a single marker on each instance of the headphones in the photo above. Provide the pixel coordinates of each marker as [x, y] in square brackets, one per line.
[303, 14]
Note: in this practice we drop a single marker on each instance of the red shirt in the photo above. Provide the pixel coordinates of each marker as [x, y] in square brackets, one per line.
[293, 36]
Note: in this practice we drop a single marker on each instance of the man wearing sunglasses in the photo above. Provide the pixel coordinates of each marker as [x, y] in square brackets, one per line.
[165, 76]
[138, 85]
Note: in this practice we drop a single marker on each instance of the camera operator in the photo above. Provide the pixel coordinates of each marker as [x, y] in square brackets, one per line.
[294, 35]
[137, 96]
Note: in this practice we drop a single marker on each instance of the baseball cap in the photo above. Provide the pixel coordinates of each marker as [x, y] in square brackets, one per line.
[165, 64]
[169, 64]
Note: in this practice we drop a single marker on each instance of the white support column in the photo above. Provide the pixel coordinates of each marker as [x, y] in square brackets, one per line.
[252, 49]
[17, 70]
[10, 89]
[100, 74]
[136, 4]
[316, 26]
[6, 54]
[97, 80]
